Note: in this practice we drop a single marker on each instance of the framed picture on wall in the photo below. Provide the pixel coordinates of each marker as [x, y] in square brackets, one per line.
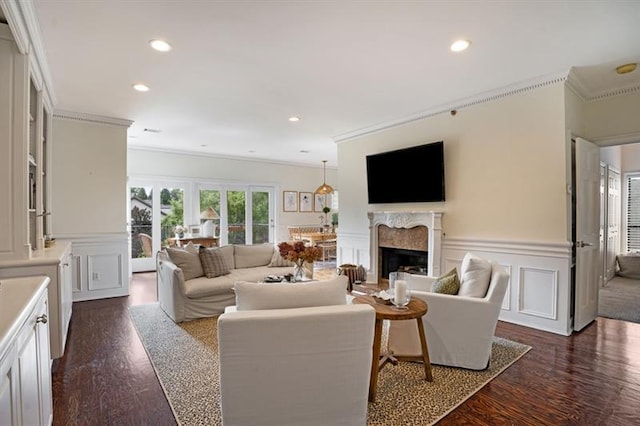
[320, 201]
[290, 201]
[306, 201]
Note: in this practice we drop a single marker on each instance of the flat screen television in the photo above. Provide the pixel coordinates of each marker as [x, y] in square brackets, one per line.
[408, 175]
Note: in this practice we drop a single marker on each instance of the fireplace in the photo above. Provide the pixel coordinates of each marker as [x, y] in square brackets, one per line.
[410, 240]
[403, 260]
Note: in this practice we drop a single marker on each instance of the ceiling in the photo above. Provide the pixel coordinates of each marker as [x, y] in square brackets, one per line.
[239, 69]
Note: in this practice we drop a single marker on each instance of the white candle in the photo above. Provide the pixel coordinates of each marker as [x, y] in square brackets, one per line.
[400, 292]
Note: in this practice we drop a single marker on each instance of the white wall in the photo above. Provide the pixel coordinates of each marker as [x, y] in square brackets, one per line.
[630, 158]
[89, 204]
[506, 196]
[504, 169]
[283, 177]
[614, 119]
[88, 178]
[612, 155]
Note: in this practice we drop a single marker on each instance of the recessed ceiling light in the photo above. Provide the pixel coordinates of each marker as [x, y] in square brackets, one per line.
[460, 45]
[626, 68]
[294, 119]
[160, 45]
[141, 87]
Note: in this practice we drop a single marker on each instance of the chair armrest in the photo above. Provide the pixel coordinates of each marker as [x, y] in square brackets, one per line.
[171, 288]
[420, 282]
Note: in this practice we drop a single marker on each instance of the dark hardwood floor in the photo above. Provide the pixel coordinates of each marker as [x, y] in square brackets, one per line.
[589, 378]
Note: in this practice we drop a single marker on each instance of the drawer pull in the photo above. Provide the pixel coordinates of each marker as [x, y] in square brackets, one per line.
[42, 318]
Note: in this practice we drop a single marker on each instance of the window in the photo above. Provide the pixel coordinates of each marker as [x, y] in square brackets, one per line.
[633, 211]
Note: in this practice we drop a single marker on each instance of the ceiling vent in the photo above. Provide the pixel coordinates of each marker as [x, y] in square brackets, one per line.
[152, 130]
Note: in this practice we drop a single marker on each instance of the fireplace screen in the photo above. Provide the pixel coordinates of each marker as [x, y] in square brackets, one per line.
[395, 259]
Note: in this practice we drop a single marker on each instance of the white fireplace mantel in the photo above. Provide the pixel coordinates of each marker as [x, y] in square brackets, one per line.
[433, 222]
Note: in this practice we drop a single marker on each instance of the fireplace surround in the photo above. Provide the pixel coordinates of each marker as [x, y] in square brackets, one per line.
[428, 241]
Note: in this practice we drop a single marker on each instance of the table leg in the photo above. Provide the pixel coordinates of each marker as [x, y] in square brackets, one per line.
[425, 351]
[375, 358]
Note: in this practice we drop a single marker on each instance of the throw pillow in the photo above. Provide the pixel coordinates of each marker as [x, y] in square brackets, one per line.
[475, 276]
[447, 283]
[213, 262]
[258, 296]
[191, 248]
[279, 261]
[188, 262]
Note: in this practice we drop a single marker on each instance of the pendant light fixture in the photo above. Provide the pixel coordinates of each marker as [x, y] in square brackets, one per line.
[324, 188]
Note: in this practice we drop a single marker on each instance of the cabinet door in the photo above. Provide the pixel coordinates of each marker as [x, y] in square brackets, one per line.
[44, 364]
[66, 298]
[28, 378]
[33, 369]
[8, 390]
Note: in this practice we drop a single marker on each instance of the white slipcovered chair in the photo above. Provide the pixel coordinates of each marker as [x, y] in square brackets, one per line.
[459, 329]
[295, 366]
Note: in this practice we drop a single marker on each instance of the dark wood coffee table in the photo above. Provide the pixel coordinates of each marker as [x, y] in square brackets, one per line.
[416, 309]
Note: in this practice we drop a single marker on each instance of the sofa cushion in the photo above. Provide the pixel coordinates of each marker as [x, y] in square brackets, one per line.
[213, 262]
[475, 276]
[447, 283]
[278, 261]
[188, 262]
[228, 254]
[201, 287]
[249, 256]
[258, 296]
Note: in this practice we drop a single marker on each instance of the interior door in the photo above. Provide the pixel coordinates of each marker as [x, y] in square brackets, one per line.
[588, 259]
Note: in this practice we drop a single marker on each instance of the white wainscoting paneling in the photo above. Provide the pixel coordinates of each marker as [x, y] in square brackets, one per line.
[353, 248]
[100, 266]
[104, 271]
[539, 291]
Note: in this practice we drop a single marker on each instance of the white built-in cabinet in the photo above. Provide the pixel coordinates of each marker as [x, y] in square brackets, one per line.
[25, 116]
[25, 182]
[55, 263]
[25, 375]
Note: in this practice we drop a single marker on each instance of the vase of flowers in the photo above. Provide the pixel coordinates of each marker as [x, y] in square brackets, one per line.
[179, 231]
[302, 256]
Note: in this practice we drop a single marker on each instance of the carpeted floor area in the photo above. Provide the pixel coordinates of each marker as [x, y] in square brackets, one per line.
[620, 299]
[185, 357]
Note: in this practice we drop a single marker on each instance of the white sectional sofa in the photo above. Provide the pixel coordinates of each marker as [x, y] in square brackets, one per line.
[184, 291]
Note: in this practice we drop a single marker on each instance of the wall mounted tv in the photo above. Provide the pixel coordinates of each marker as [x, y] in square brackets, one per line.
[408, 175]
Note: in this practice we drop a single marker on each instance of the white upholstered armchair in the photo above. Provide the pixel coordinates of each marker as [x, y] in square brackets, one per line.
[459, 329]
[295, 366]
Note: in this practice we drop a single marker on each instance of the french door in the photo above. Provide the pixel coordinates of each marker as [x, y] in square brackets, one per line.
[155, 209]
[236, 214]
[246, 213]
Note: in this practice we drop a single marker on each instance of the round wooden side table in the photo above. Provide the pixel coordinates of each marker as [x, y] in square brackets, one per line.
[416, 309]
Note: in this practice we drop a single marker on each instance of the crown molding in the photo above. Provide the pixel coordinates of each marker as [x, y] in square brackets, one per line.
[135, 147]
[90, 118]
[15, 20]
[488, 96]
[579, 88]
[25, 28]
[621, 139]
